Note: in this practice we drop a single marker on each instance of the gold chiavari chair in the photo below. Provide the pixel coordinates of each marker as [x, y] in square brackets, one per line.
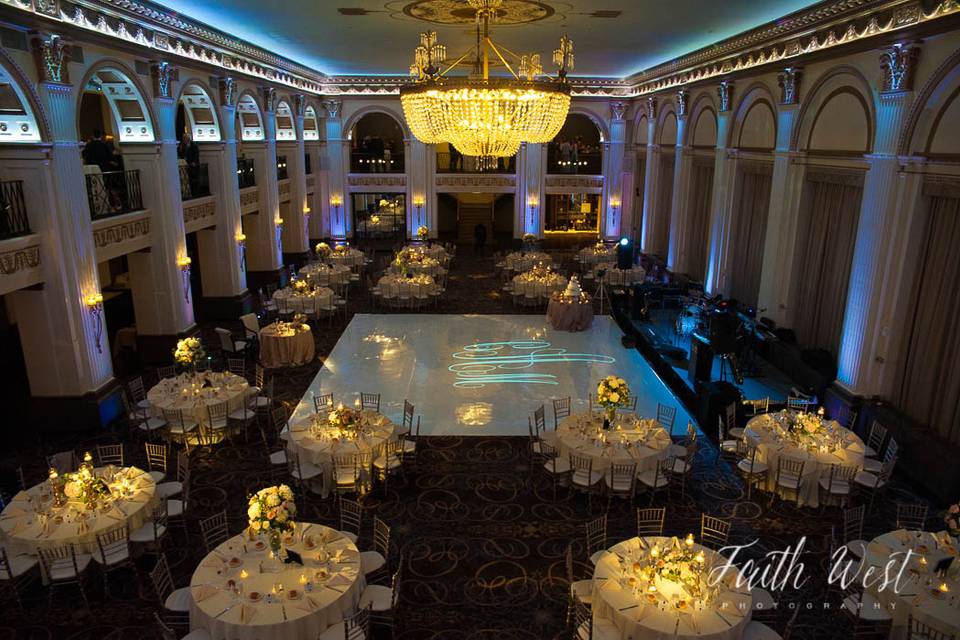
[375, 564]
[113, 552]
[596, 538]
[109, 454]
[912, 517]
[370, 401]
[214, 530]
[351, 518]
[561, 410]
[714, 532]
[63, 566]
[650, 521]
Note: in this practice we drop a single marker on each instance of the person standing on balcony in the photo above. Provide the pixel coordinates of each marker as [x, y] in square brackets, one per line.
[456, 158]
[97, 152]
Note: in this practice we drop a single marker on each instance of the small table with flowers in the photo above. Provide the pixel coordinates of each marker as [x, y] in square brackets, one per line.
[241, 593]
[803, 436]
[192, 393]
[630, 439]
[393, 286]
[343, 254]
[525, 260]
[540, 281]
[410, 260]
[303, 297]
[73, 508]
[658, 587]
[286, 344]
[931, 598]
[597, 254]
[326, 274]
[319, 437]
[435, 251]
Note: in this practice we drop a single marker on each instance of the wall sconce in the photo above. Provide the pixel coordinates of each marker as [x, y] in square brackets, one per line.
[615, 205]
[242, 244]
[336, 202]
[94, 303]
[532, 203]
[418, 203]
[183, 263]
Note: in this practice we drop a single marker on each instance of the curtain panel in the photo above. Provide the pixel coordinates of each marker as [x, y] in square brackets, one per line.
[699, 221]
[641, 184]
[751, 204]
[664, 202]
[823, 254]
[928, 381]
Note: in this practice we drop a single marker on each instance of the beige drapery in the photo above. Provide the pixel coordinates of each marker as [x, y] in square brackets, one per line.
[698, 227]
[751, 203]
[928, 383]
[823, 253]
[641, 183]
[664, 201]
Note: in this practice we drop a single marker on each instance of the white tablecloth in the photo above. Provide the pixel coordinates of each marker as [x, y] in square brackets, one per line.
[391, 285]
[325, 600]
[291, 348]
[350, 257]
[592, 255]
[614, 275]
[169, 394]
[435, 251]
[317, 443]
[21, 530]
[525, 285]
[288, 301]
[917, 598]
[762, 431]
[615, 600]
[525, 261]
[324, 275]
[638, 440]
[427, 266]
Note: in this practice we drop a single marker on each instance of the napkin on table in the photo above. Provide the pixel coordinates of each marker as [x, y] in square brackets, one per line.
[338, 579]
[203, 592]
[211, 562]
[247, 614]
[13, 512]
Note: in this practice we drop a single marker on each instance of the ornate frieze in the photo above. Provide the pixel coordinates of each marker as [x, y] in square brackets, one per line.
[374, 180]
[283, 187]
[575, 182]
[19, 260]
[897, 65]
[789, 82]
[164, 75]
[725, 93]
[199, 211]
[252, 196]
[52, 53]
[106, 236]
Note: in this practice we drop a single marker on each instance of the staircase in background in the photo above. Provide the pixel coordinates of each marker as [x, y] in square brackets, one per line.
[469, 213]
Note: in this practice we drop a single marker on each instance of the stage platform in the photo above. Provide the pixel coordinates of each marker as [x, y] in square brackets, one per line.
[481, 374]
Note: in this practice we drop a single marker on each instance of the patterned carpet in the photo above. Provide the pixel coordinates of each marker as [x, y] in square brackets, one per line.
[481, 534]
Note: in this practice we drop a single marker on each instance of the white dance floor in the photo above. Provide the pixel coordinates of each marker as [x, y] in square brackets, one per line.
[480, 374]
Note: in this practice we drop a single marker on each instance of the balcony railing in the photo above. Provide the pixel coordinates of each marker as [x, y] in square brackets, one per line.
[307, 166]
[246, 175]
[372, 163]
[471, 164]
[282, 168]
[582, 163]
[113, 193]
[13, 210]
[194, 181]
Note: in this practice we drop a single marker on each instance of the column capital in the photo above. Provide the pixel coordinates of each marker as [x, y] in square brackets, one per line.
[725, 93]
[651, 108]
[269, 96]
[897, 65]
[227, 91]
[618, 109]
[51, 53]
[164, 76]
[299, 104]
[682, 96]
[332, 108]
[789, 82]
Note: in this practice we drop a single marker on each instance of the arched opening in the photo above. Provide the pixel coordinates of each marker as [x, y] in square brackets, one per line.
[703, 139]
[286, 132]
[18, 122]
[376, 144]
[196, 123]
[577, 148]
[249, 128]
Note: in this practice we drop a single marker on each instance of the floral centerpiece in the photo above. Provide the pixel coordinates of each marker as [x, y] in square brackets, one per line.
[341, 248]
[677, 563]
[807, 430]
[271, 511]
[300, 287]
[189, 353]
[323, 250]
[612, 394]
[344, 418]
[83, 485]
[422, 232]
[528, 239]
[299, 319]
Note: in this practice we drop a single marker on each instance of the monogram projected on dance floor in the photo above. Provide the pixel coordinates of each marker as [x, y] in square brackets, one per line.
[484, 363]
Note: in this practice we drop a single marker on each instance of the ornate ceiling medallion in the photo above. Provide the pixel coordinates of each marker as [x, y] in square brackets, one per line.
[456, 12]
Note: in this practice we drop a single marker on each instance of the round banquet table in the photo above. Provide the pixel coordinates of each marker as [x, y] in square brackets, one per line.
[763, 431]
[350, 257]
[630, 439]
[331, 593]
[169, 393]
[615, 601]
[570, 316]
[435, 251]
[592, 255]
[286, 299]
[324, 275]
[518, 261]
[916, 598]
[22, 531]
[391, 285]
[317, 443]
[617, 276]
[427, 266]
[528, 284]
[282, 345]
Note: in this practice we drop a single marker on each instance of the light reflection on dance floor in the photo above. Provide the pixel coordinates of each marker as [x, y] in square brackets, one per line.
[482, 374]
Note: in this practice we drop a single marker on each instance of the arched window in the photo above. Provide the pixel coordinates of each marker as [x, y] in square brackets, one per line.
[376, 144]
[18, 123]
[311, 125]
[286, 131]
[577, 148]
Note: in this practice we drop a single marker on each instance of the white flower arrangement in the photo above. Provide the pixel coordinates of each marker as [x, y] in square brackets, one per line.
[343, 417]
[613, 393]
[422, 232]
[528, 238]
[272, 510]
[189, 352]
[323, 250]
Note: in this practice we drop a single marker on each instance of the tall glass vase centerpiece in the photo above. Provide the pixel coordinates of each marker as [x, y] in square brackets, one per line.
[271, 512]
[188, 354]
[612, 394]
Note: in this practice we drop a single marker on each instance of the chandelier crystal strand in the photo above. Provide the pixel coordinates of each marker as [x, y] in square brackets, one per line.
[482, 116]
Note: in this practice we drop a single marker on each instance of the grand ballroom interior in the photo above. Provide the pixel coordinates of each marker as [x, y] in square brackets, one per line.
[480, 319]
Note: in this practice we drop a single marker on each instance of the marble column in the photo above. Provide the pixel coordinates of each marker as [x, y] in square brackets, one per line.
[724, 181]
[680, 198]
[222, 250]
[531, 197]
[295, 219]
[264, 251]
[336, 211]
[314, 149]
[612, 202]
[162, 295]
[650, 181]
[67, 367]
[420, 161]
[782, 219]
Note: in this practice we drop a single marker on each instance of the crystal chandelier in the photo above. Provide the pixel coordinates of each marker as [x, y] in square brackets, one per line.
[479, 115]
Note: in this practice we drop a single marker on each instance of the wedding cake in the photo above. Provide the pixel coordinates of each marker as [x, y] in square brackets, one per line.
[573, 289]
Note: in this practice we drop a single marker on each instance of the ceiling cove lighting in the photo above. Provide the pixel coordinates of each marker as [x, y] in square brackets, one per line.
[479, 115]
